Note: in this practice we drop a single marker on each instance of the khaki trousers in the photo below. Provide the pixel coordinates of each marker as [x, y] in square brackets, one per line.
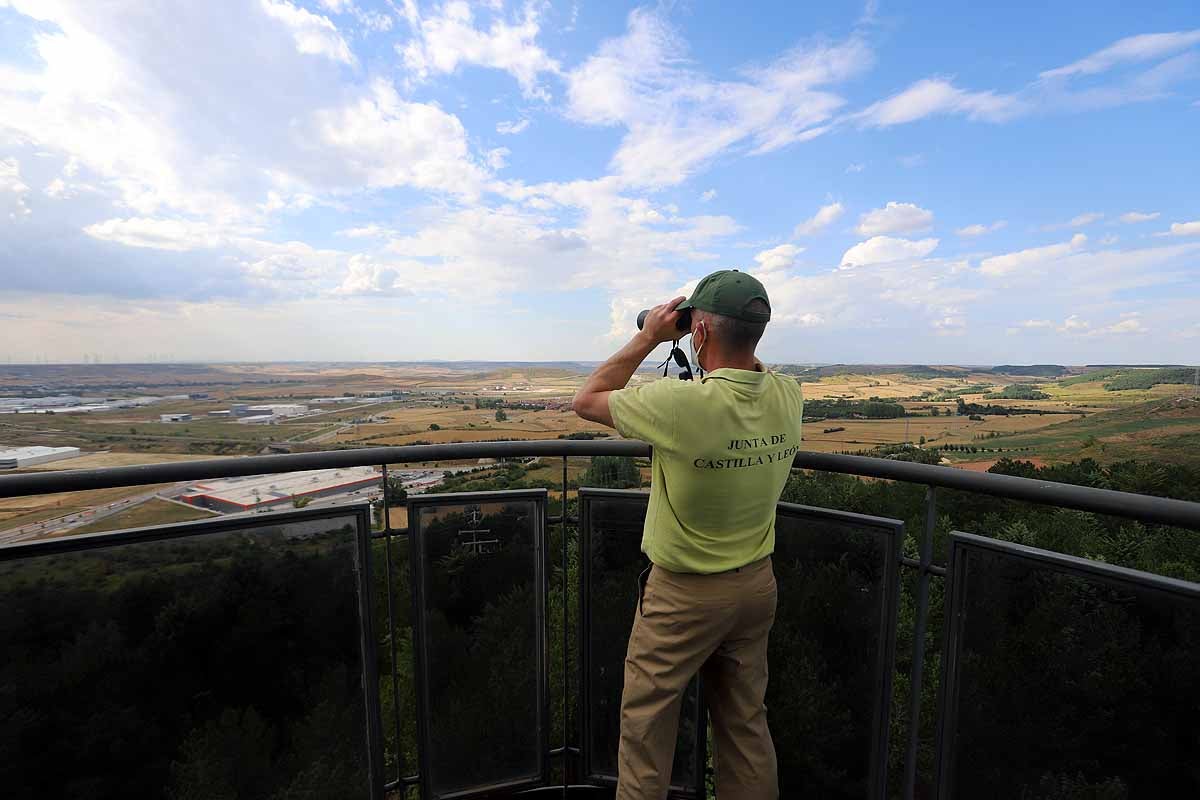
[716, 625]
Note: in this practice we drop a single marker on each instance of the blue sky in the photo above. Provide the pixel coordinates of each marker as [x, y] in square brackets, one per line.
[348, 179]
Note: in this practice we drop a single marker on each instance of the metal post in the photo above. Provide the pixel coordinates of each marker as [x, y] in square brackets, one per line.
[566, 705]
[387, 552]
[918, 662]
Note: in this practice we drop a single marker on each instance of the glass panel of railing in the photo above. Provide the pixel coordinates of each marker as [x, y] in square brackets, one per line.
[831, 650]
[480, 613]
[611, 527]
[212, 659]
[397, 694]
[1067, 677]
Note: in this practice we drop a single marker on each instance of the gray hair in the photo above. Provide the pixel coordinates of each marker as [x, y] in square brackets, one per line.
[736, 334]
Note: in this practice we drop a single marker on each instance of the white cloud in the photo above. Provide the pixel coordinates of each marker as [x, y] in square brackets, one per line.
[449, 38]
[678, 119]
[912, 161]
[509, 128]
[825, 216]
[1078, 221]
[997, 266]
[11, 185]
[1131, 49]
[938, 96]
[641, 212]
[1130, 323]
[497, 157]
[979, 229]
[382, 140]
[1185, 228]
[1085, 219]
[160, 234]
[895, 218]
[1132, 217]
[708, 195]
[855, 168]
[1073, 324]
[58, 189]
[370, 278]
[950, 325]
[314, 34]
[1126, 326]
[364, 232]
[370, 20]
[1037, 323]
[777, 259]
[886, 249]
[1053, 90]
[153, 141]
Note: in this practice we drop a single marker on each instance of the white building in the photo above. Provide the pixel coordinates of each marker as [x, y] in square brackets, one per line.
[175, 417]
[253, 492]
[280, 409]
[29, 456]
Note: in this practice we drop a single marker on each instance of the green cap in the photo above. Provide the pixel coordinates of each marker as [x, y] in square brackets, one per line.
[728, 292]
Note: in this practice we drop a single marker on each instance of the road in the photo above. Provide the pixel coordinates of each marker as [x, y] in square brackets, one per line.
[75, 519]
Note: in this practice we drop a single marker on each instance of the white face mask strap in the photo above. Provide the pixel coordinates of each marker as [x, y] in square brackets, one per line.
[696, 356]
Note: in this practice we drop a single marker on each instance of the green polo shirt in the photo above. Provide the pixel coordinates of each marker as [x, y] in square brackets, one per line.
[723, 449]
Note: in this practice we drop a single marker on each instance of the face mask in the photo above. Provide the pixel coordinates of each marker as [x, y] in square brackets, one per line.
[695, 352]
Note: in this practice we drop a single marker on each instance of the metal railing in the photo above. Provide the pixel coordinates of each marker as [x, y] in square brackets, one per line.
[1143, 508]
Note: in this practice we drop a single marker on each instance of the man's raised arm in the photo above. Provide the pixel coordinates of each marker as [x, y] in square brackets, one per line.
[591, 402]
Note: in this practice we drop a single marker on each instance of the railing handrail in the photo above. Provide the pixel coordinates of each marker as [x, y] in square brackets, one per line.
[1147, 508]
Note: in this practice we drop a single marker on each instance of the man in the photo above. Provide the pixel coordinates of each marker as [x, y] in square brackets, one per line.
[722, 451]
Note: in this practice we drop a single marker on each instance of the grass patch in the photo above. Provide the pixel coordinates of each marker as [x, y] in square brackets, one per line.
[152, 512]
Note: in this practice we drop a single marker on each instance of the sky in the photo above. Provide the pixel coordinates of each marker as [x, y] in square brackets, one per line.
[926, 182]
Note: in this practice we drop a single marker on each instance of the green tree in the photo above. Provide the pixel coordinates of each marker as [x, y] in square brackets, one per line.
[396, 493]
[433, 426]
[500, 415]
[612, 472]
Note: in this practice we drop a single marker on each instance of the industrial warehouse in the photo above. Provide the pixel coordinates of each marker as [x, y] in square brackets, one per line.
[30, 456]
[254, 492]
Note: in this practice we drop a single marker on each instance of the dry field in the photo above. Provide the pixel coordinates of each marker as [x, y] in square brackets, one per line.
[94, 460]
[887, 387]
[407, 425]
[868, 433]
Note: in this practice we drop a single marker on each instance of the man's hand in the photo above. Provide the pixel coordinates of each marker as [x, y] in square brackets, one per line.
[660, 322]
[591, 402]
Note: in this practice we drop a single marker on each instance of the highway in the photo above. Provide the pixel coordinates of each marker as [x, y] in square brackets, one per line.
[75, 519]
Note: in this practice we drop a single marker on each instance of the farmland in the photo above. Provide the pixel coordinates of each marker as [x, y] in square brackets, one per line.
[1070, 411]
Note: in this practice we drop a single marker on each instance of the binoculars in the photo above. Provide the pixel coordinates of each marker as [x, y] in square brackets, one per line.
[683, 324]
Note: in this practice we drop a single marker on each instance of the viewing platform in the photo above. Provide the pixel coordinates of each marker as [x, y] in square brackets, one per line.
[478, 652]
